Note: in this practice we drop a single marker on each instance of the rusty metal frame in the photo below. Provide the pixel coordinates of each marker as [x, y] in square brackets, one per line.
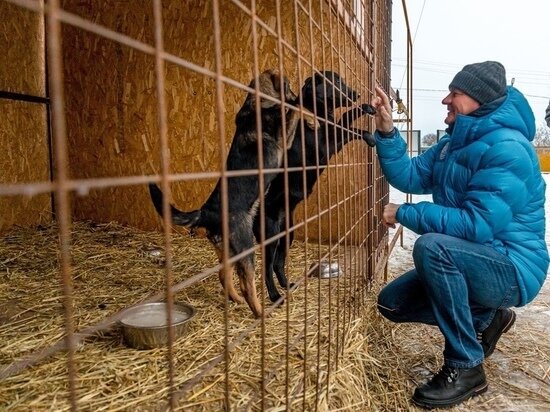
[62, 185]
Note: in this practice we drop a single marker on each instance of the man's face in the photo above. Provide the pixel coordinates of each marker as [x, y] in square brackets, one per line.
[458, 102]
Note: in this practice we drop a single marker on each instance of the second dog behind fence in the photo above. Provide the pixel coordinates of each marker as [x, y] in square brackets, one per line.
[243, 191]
[321, 93]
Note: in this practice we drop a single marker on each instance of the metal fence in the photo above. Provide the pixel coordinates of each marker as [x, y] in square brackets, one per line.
[108, 131]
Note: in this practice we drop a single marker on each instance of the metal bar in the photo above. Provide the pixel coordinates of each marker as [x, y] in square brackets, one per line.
[22, 97]
[351, 237]
[261, 180]
[83, 186]
[310, 25]
[55, 59]
[318, 200]
[336, 177]
[49, 131]
[226, 265]
[322, 28]
[165, 185]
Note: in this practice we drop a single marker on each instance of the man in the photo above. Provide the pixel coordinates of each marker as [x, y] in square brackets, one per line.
[482, 248]
[547, 117]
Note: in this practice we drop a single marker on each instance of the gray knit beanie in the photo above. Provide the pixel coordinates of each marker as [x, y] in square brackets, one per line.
[483, 82]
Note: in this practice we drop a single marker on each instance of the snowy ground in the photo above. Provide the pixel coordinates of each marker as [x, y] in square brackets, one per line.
[519, 370]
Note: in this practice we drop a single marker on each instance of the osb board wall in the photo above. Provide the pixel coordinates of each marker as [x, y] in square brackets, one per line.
[22, 50]
[24, 153]
[112, 101]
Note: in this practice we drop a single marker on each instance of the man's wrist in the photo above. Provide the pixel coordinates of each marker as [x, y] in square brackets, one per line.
[385, 134]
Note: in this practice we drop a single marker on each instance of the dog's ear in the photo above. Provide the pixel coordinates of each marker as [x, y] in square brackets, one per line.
[288, 94]
[267, 85]
[319, 76]
[324, 90]
[308, 86]
[307, 89]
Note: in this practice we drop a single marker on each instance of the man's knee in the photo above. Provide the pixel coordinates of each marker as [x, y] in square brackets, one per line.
[386, 305]
[426, 243]
[428, 246]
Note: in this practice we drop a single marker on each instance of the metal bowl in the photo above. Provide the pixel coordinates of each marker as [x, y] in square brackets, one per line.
[145, 326]
[325, 270]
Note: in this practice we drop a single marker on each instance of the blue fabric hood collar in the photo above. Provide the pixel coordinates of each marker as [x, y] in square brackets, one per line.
[513, 113]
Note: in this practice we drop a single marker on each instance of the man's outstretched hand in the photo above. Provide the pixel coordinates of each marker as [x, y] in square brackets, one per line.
[383, 116]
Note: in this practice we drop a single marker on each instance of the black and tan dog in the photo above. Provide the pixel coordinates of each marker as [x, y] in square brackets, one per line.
[325, 92]
[243, 191]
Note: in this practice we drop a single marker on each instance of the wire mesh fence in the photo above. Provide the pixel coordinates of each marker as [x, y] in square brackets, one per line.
[254, 116]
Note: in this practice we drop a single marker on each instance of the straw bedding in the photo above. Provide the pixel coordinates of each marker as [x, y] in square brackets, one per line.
[374, 368]
[114, 267]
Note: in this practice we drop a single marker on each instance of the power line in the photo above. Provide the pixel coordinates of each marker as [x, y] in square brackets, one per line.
[510, 73]
[447, 91]
[539, 73]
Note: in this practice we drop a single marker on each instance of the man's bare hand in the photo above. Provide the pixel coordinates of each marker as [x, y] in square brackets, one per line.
[389, 217]
[383, 116]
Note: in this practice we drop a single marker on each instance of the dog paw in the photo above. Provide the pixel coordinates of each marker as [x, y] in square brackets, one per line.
[369, 139]
[368, 109]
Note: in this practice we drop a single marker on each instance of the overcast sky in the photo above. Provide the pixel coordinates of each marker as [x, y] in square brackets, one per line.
[451, 34]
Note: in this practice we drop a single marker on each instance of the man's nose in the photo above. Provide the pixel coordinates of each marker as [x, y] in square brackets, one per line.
[446, 100]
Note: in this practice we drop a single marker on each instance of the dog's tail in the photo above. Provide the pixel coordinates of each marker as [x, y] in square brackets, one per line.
[188, 219]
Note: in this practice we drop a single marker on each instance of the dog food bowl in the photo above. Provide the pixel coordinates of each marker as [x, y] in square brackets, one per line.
[325, 270]
[145, 326]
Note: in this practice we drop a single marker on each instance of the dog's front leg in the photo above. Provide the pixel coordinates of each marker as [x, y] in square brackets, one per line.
[353, 114]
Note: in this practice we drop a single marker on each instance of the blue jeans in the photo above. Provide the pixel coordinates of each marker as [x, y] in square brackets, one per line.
[456, 285]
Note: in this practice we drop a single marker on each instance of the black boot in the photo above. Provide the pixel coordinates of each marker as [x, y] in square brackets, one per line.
[501, 323]
[451, 386]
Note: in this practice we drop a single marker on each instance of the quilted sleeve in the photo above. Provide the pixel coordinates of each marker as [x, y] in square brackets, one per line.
[495, 193]
[405, 174]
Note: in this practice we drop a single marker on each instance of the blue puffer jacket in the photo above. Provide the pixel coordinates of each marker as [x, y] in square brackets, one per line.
[486, 185]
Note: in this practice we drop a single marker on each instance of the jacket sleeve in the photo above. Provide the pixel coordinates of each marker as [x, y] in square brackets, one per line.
[405, 174]
[547, 117]
[495, 193]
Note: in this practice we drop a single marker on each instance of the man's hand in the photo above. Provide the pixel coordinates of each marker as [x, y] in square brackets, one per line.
[383, 116]
[389, 216]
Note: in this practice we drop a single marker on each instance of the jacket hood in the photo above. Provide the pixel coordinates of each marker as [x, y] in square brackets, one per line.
[514, 113]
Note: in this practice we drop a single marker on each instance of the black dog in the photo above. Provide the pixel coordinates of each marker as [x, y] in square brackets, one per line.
[326, 91]
[243, 191]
